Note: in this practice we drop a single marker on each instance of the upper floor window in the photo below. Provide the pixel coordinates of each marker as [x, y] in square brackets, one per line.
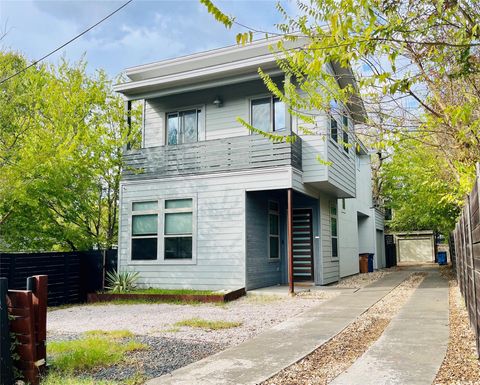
[268, 114]
[184, 126]
[333, 129]
[345, 131]
[334, 229]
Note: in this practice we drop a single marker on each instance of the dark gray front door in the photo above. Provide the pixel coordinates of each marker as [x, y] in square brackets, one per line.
[302, 245]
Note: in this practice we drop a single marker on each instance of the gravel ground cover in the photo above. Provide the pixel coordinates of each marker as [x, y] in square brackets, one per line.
[335, 356]
[360, 280]
[164, 356]
[255, 313]
[460, 365]
[172, 346]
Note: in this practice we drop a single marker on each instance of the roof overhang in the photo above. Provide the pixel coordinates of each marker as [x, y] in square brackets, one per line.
[345, 76]
[222, 66]
[200, 78]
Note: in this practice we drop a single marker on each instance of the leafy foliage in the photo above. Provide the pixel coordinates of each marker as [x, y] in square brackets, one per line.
[420, 189]
[120, 282]
[417, 65]
[61, 144]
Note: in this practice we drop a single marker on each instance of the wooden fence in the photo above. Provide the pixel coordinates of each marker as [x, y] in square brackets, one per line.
[25, 332]
[467, 257]
[71, 275]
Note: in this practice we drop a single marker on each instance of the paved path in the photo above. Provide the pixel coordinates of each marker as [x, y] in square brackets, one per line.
[261, 357]
[413, 346]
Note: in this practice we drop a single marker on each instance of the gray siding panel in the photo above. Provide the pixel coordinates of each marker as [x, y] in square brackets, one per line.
[330, 265]
[261, 271]
[379, 219]
[219, 122]
[220, 224]
[341, 173]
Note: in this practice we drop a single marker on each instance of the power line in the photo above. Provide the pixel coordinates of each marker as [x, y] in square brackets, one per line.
[67, 43]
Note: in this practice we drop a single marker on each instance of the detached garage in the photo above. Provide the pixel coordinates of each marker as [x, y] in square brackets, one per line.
[415, 246]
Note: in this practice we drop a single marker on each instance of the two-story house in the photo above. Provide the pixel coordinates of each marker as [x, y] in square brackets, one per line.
[360, 220]
[205, 204]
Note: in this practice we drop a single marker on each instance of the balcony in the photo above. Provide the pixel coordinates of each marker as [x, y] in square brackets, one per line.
[219, 155]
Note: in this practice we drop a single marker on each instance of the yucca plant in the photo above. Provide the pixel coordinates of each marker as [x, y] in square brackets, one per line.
[119, 282]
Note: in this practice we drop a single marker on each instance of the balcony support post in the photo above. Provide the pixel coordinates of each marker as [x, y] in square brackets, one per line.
[291, 288]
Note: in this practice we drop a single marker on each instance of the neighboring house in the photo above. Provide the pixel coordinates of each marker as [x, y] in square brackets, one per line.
[360, 220]
[205, 204]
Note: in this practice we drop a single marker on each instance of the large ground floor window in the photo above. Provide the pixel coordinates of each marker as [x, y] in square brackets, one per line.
[162, 230]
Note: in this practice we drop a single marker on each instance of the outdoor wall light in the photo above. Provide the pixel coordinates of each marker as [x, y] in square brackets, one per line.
[218, 102]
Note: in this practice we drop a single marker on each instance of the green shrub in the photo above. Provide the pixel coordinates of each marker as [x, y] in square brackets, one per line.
[119, 282]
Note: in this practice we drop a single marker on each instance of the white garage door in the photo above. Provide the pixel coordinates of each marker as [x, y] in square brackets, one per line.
[415, 250]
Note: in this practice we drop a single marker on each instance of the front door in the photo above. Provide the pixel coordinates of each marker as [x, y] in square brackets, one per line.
[302, 245]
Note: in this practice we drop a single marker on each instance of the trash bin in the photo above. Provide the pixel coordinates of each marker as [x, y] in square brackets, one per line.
[442, 257]
[370, 263]
[363, 263]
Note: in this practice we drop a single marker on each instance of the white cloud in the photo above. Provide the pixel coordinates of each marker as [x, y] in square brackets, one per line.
[142, 32]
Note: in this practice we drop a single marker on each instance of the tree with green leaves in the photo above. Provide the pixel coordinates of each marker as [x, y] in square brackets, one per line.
[420, 189]
[422, 54]
[61, 144]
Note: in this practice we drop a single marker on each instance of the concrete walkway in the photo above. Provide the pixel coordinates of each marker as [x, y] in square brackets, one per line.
[413, 346]
[261, 357]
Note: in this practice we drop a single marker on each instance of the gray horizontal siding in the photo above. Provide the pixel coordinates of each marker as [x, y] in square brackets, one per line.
[313, 147]
[261, 271]
[379, 218]
[220, 200]
[330, 266]
[342, 171]
[219, 122]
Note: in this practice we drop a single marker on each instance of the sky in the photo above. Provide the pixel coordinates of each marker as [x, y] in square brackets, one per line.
[143, 32]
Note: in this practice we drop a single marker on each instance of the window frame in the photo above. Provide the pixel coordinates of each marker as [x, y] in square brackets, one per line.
[201, 118]
[134, 213]
[167, 211]
[345, 131]
[332, 137]
[334, 205]
[160, 211]
[277, 214]
[272, 99]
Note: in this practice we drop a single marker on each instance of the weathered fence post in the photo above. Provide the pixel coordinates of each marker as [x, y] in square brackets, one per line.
[39, 286]
[467, 250]
[6, 373]
[473, 223]
[104, 267]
